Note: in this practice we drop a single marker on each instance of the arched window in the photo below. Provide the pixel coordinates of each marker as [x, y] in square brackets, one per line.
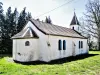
[79, 44]
[73, 28]
[64, 45]
[27, 43]
[59, 45]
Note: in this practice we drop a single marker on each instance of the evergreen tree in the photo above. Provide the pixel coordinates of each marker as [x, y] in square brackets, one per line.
[8, 31]
[1, 8]
[1, 17]
[10, 24]
[22, 20]
[2, 22]
[48, 20]
[29, 16]
[15, 17]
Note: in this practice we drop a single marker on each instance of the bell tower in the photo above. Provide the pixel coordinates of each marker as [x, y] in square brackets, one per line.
[75, 23]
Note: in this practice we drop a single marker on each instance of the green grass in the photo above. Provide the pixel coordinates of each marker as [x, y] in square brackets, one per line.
[83, 66]
[94, 52]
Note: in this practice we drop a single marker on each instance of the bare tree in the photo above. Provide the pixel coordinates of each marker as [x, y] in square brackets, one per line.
[92, 19]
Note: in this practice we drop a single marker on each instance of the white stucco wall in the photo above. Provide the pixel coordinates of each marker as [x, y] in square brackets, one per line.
[43, 49]
[27, 53]
[40, 49]
[56, 54]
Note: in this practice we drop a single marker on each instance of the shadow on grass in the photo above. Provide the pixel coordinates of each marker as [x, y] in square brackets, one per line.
[59, 61]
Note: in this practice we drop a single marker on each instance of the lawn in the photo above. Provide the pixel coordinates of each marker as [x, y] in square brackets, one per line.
[80, 65]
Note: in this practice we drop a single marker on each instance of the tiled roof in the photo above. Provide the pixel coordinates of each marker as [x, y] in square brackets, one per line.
[26, 33]
[51, 29]
[48, 29]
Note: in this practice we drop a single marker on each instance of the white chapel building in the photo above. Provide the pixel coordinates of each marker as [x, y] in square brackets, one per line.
[40, 41]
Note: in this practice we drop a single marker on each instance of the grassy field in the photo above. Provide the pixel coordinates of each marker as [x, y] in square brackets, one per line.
[80, 65]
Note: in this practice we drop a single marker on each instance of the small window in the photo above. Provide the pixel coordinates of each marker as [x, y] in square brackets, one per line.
[60, 45]
[79, 45]
[27, 43]
[64, 45]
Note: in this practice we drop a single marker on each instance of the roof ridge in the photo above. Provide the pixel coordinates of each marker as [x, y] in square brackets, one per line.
[51, 24]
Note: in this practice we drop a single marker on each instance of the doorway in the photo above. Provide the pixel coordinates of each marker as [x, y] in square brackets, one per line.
[73, 48]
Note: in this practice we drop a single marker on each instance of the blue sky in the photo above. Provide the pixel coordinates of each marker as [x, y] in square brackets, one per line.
[61, 16]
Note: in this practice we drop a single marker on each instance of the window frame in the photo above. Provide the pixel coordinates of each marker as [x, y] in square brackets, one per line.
[27, 43]
[59, 45]
[79, 44]
[64, 44]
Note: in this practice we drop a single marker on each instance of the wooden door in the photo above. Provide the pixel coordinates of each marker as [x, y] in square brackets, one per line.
[73, 48]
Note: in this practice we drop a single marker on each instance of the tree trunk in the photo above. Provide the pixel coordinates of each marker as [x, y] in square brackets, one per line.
[99, 39]
[99, 46]
[99, 43]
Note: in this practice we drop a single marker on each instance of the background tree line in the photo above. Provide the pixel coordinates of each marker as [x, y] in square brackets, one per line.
[11, 23]
[91, 22]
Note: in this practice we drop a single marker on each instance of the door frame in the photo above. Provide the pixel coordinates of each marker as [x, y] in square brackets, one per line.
[73, 48]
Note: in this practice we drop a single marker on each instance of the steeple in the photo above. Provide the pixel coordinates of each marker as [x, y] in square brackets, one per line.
[75, 23]
[74, 20]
